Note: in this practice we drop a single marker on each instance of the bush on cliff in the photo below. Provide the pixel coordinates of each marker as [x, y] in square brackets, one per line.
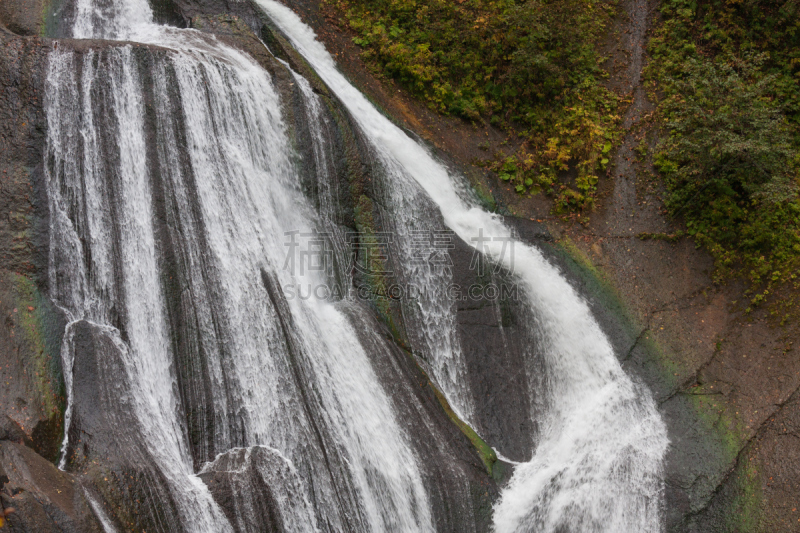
[531, 67]
[729, 76]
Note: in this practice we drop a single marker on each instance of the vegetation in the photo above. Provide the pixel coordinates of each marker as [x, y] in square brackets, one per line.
[487, 454]
[528, 66]
[729, 74]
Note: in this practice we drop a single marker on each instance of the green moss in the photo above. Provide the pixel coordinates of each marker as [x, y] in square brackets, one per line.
[370, 254]
[747, 505]
[668, 237]
[50, 18]
[598, 283]
[43, 367]
[713, 415]
[487, 454]
[482, 191]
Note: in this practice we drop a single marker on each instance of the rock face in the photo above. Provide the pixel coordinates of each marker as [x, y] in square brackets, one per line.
[31, 392]
[712, 476]
[108, 467]
[24, 17]
[43, 498]
[500, 355]
[31, 387]
[239, 481]
[107, 444]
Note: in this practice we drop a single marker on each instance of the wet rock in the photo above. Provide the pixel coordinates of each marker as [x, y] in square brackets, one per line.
[234, 31]
[31, 391]
[170, 10]
[257, 488]
[459, 488]
[44, 498]
[107, 444]
[11, 431]
[23, 17]
[493, 334]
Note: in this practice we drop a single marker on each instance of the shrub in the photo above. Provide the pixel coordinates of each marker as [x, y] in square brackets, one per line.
[530, 67]
[730, 155]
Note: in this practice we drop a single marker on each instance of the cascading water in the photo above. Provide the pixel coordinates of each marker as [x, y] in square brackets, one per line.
[87, 286]
[172, 186]
[414, 222]
[209, 204]
[430, 316]
[598, 463]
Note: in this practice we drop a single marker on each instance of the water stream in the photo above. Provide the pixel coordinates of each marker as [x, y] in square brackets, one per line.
[172, 186]
[230, 198]
[598, 463]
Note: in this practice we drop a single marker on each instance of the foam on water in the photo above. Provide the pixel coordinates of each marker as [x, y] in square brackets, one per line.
[598, 465]
[233, 201]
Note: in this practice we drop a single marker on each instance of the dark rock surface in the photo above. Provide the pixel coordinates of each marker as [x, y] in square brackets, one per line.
[499, 354]
[11, 431]
[44, 499]
[23, 17]
[107, 443]
[460, 491]
[727, 390]
[30, 369]
[237, 483]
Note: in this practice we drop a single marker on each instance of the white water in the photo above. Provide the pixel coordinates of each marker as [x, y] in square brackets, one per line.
[89, 292]
[429, 318]
[105, 521]
[320, 130]
[598, 463]
[245, 197]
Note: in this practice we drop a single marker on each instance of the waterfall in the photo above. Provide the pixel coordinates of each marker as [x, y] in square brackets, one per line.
[88, 288]
[597, 465]
[172, 186]
[177, 194]
[414, 221]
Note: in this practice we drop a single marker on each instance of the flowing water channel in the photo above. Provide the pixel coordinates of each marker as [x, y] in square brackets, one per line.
[195, 135]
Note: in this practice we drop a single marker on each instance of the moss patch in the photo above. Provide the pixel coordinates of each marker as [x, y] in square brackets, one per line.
[44, 365]
[484, 450]
[747, 504]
